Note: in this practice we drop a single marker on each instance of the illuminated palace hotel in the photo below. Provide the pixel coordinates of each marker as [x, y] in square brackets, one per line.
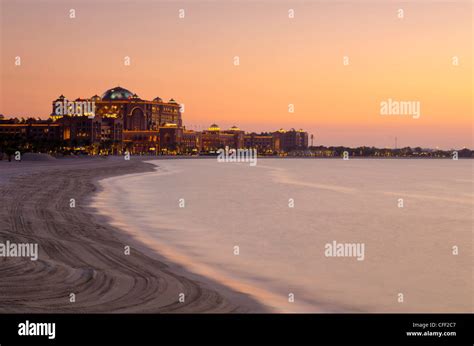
[123, 117]
[122, 121]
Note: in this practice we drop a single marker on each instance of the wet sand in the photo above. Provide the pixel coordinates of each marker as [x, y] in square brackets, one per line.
[81, 253]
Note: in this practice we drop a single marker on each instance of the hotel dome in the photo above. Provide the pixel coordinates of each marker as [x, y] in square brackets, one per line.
[214, 127]
[117, 93]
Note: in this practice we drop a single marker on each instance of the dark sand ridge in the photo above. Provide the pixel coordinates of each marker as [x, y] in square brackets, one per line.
[81, 253]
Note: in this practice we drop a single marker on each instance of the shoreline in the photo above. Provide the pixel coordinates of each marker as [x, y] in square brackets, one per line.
[205, 249]
[81, 253]
[178, 260]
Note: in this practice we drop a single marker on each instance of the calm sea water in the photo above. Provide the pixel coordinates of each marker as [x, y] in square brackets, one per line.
[195, 212]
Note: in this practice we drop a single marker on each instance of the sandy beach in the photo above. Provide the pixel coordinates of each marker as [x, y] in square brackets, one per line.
[80, 253]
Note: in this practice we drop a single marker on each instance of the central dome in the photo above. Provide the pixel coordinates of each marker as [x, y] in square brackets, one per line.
[117, 93]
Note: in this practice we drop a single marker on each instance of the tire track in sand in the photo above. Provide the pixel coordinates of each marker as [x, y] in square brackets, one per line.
[77, 254]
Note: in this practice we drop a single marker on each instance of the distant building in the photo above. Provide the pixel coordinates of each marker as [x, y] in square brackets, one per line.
[170, 138]
[119, 116]
[286, 141]
[264, 143]
[237, 136]
[120, 120]
[136, 142]
[30, 129]
[214, 138]
[191, 141]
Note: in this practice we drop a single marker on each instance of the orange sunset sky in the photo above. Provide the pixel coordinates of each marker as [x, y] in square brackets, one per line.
[282, 61]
